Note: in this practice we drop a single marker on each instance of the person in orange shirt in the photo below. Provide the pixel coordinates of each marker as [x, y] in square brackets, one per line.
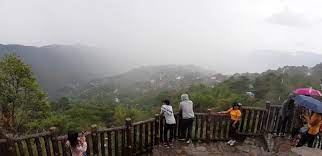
[235, 115]
[314, 123]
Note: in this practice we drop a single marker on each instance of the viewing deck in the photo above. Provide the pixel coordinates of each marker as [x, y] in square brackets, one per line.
[210, 131]
[204, 149]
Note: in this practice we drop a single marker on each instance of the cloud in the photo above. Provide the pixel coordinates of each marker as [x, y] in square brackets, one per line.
[290, 19]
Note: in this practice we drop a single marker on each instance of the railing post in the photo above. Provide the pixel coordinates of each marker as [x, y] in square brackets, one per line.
[54, 134]
[266, 118]
[268, 105]
[156, 130]
[8, 147]
[208, 125]
[94, 139]
[129, 144]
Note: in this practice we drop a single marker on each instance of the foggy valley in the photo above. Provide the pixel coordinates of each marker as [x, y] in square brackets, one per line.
[112, 77]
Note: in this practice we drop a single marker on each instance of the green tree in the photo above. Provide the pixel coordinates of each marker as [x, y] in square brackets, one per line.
[120, 113]
[81, 116]
[23, 104]
[61, 105]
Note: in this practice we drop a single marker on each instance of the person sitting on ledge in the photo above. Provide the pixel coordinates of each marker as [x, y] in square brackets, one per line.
[235, 115]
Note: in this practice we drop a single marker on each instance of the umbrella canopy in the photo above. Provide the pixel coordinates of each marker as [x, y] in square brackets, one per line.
[307, 91]
[309, 102]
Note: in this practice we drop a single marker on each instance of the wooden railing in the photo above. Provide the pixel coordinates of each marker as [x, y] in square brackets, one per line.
[272, 118]
[140, 137]
[253, 121]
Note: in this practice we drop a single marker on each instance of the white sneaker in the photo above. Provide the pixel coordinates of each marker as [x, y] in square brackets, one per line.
[188, 142]
[232, 143]
[229, 141]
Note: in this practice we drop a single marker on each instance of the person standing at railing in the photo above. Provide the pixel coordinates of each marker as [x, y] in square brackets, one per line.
[170, 122]
[77, 144]
[186, 110]
[314, 123]
[235, 115]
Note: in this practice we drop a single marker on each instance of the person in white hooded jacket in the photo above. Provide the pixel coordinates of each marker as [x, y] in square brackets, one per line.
[170, 122]
[186, 110]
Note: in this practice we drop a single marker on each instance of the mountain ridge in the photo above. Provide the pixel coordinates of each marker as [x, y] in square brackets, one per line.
[151, 78]
[59, 66]
[56, 66]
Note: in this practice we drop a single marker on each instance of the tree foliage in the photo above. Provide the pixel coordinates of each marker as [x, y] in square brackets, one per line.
[23, 105]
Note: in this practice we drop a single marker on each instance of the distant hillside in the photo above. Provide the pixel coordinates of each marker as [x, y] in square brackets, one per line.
[56, 66]
[277, 84]
[63, 69]
[144, 87]
[146, 79]
[263, 60]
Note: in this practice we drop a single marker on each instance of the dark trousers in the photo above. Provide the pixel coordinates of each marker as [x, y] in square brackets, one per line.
[307, 138]
[186, 128]
[295, 132]
[282, 125]
[168, 128]
[233, 130]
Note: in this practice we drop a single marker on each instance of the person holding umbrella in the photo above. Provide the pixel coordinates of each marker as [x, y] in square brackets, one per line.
[314, 121]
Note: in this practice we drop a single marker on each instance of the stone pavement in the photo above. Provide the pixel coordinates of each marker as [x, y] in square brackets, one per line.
[250, 147]
[200, 149]
[305, 151]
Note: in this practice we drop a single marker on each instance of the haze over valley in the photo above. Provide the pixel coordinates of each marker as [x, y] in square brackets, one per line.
[58, 67]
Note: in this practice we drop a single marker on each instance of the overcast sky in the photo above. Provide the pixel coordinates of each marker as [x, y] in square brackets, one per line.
[202, 32]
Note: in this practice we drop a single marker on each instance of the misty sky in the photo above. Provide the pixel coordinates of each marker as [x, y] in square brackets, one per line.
[203, 32]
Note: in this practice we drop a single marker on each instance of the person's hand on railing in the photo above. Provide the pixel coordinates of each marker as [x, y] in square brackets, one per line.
[218, 113]
[85, 133]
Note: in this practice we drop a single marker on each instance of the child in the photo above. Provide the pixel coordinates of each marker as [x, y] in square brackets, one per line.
[77, 144]
[167, 112]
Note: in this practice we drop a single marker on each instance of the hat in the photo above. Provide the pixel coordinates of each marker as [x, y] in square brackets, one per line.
[237, 104]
